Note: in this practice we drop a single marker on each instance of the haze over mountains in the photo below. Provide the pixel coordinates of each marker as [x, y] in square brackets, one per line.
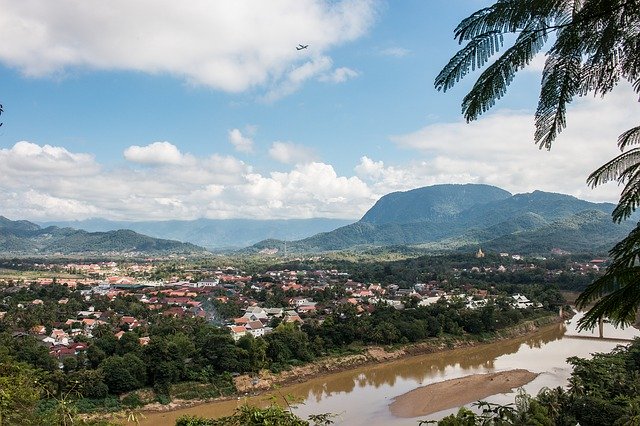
[214, 234]
[26, 238]
[435, 218]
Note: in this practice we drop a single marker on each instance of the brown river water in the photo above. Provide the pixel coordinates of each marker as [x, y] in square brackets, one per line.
[362, 396]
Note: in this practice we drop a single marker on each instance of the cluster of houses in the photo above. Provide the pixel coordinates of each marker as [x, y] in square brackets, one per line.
[179, 296]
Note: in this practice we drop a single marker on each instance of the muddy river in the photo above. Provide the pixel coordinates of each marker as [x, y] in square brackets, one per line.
[362, 396]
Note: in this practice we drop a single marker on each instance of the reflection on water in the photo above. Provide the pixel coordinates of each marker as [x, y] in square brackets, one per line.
[362, 395]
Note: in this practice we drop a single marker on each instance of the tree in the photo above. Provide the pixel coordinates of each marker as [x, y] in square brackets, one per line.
[596, 46]
[19, 393]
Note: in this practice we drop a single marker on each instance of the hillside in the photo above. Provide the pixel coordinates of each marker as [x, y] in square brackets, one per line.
[464, 217]
[23, 237]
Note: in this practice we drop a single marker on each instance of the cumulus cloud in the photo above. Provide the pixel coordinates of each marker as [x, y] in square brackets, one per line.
[30, 158]
[231, 46]
[49, 183]
[155, 153]
[340, 75]
[498, 149]
[240, 142]
[291, 153]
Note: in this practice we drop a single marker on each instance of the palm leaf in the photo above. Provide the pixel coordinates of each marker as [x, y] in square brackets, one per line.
[630, 137]
[510, 16]
[630, 196]
[613, 169]
[474, 55]
[624, 168]
[492, 83]
[560, 83]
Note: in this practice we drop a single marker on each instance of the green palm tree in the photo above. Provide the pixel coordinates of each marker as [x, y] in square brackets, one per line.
[596, 44]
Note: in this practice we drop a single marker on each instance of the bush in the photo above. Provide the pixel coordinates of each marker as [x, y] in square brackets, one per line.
[132, 400]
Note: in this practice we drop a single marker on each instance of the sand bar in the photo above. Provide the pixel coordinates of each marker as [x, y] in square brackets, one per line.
[457, 392]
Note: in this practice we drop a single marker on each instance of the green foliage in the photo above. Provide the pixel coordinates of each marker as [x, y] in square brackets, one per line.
[247, 415]
[19, 394]
[123, 374]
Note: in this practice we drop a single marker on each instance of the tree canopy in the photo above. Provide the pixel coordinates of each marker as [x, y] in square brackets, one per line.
[594, 44]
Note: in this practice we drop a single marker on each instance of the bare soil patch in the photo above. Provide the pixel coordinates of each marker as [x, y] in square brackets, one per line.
[457, 392]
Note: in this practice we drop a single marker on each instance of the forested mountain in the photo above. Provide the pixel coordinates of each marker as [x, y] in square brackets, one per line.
[23, 237]
[451, 217]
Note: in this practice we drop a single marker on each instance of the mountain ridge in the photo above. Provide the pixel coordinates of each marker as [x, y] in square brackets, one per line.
[27, 238]
[460, 217]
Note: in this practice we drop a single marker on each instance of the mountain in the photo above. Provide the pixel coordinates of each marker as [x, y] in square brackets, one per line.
[465, 217]
[212, 233]
[23, 237]
[439, 203]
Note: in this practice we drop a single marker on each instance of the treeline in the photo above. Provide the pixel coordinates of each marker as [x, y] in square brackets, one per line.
[407, 272]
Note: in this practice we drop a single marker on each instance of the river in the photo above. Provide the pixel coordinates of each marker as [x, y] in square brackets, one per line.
[362, 396]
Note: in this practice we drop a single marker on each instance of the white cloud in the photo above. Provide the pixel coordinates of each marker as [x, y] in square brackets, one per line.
[294, 78]
[396, 52]
[27, 157]
[155, 153]
[384, 179]
[49, 183]
[340, 75]
[291, 153]
[498, 149]
[240, 142]
[232, 46]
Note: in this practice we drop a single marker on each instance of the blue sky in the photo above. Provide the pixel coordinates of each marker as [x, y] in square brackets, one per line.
[157, 110]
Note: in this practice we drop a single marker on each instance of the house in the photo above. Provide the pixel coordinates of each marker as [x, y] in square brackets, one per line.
[521, 302]
[274, 312]
[256, 328]
[307, 309]
[38, 329]
[292, 316]
[238, 331]
[129, 321]
[255, 313]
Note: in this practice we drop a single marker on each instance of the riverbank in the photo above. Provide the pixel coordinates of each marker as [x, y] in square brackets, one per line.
[265, 382]
[454, 393]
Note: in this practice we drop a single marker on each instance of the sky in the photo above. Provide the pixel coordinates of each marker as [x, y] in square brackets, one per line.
[157, 110]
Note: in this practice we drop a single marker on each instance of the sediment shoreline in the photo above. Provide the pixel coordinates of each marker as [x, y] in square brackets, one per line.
[454, 393]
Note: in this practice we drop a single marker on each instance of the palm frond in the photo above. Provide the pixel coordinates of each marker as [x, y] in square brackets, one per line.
[474, 55]
[615, 168]
[560, 83]
[492, 83]
[509, 16]
[630, 196]
[630, 137]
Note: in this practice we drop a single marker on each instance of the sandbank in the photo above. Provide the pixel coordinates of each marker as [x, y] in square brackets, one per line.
[453, 393]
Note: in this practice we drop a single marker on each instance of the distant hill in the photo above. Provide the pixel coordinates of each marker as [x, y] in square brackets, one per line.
[23, 237]
[213, 233]
[465, 217]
